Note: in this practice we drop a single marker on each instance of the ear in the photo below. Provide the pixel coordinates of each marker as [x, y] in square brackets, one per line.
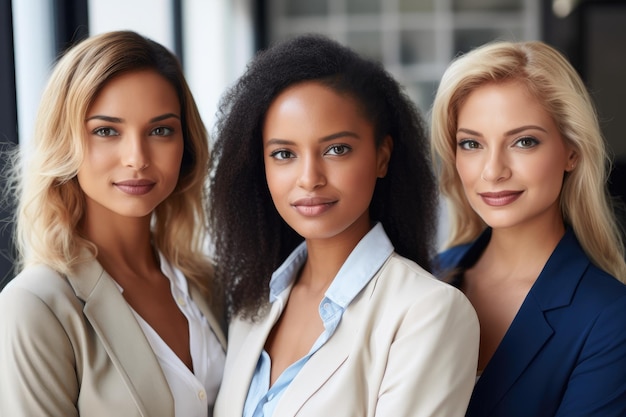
[383, 155]
[572, 159]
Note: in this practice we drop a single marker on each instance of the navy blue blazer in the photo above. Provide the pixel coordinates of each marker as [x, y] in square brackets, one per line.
[565, 351]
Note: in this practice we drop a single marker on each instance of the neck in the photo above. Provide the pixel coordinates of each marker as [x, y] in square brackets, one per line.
[525, 247]
[322, 265]
[124, 244]
[326, 257]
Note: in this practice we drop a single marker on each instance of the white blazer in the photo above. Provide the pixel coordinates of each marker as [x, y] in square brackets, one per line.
[406, 346]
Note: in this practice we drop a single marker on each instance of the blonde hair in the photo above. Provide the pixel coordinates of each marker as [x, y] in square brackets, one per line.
[546, 73]
[50, 202]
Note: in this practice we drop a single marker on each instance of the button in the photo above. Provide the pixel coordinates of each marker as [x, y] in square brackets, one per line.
[181, 301]
[202, 395]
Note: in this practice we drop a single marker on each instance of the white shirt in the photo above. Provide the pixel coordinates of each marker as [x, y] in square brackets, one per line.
[194, 393]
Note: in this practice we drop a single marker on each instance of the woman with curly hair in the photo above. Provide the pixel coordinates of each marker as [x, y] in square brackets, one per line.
[113, 311]
[534, 243]
[323, 212]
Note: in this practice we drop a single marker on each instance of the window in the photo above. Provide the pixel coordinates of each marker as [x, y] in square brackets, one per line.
[414, 39]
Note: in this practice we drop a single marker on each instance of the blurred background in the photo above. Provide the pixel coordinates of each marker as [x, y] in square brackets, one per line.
[214, 39]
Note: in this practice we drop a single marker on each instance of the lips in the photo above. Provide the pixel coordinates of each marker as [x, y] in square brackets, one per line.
[313, 206]
[135, 187]
[500, 198]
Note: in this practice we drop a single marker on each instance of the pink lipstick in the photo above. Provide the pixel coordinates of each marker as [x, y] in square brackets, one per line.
[135, 187]
[311, 207]
[501, 198]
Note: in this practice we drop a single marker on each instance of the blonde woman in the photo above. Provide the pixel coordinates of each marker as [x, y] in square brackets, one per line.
[534, 243]
[113, 312]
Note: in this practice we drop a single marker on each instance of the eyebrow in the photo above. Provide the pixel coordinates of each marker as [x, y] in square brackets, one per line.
[509, 133]
[342, 134]
[120, 120]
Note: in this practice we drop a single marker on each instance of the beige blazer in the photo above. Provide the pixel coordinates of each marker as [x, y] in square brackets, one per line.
[406, 346]
[71, 346]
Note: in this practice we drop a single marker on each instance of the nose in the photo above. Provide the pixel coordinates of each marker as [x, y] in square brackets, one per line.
[311, 174]
[134, 152]
[496, 167]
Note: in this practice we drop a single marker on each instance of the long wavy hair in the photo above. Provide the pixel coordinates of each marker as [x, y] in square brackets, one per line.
[51, 203]
[584, 200]
[251, 239]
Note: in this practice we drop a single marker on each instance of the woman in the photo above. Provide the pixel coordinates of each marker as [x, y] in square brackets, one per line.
[321, 180]
[533, 243]
[113, 312]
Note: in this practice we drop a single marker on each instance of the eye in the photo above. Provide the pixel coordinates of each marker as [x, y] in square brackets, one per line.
[526, 142]
[162, 131]
[338, 150]
[468, 144]
[282, 154]
[105, 131]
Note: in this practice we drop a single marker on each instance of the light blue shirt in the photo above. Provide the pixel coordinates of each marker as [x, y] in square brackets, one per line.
[365, 260]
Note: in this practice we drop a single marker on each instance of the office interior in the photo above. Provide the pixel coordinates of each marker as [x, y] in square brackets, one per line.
[214, 39]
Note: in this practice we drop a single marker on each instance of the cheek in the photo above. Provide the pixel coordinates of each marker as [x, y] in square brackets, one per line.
[96, 158]
[467, 170]
[366, 167]
[359, 181]
[275, 182]
[549, 177]
[171, 158]
[357, 176]
[177, 161]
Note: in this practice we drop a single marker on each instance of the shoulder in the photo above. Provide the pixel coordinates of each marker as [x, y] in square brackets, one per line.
[570, 278]
[398, 270]
[403, 299]
[596, 316]
[603, 280]
[583, 301]
[39, 281]
[38, 309]
[35, 293]
[408, 284]
[599, 290]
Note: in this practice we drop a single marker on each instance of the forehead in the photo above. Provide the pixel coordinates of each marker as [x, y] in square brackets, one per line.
[134, 90]
[314, 89]
[314, 96]
[314, 105]
[503, 104]
[315, 100]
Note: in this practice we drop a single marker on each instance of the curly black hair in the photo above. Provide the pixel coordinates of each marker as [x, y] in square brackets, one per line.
[251, 239]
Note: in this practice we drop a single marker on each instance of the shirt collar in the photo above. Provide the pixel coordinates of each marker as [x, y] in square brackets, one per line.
[175, 275]
[358, 269]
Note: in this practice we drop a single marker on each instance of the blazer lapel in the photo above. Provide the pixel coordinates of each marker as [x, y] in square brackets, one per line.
[323, 364]
[530, 330]
[244, 364]
[526, 336]
[123, 339]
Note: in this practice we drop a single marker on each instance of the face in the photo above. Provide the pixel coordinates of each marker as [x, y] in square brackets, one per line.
[134, 146]
[321, 161]
[510, 156]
